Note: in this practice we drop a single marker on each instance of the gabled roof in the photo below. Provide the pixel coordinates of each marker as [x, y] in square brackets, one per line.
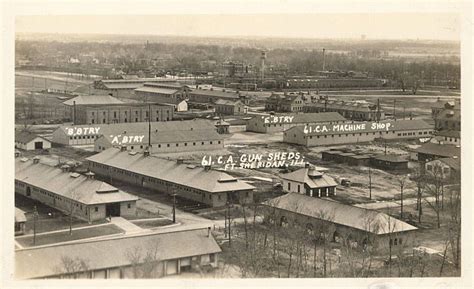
[391, 158]
[19, 216]
[170, 136]
[92, 99]
[25, 136]
[80, 188]
[221, 94]
[439, 150]
[449, 133]
[112, 252]
[227, 102]
[454, 163]
[136, 128]
[310, 177]
[342, 214]
[159, 90]
[168, 170]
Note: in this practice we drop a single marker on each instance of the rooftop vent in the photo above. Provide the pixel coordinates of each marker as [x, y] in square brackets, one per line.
[146, 153]
[36, 160]
[123, 148]
[74, 175]
[191, 166]
[23, 160]
[132, 153]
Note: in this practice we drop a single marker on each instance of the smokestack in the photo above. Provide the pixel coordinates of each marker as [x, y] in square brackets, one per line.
[324, 59]
[74, 112]
[208, 232]
[262, 65]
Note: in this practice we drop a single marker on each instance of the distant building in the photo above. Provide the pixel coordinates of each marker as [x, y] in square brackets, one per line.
[339, 223]
[353, 110]
[172, 253]
[211, 96]
[447, 168]
[222, 126]
[122, 132]
[308, 181]
[121, 87]
[447, 115]
[334, 134]
[170, 94]
[28, 141]
[282, 122]
[200, 184]
[288, 102]
[451, 137]
[430, 151]
[20, 220]
[87, 198]
[95, 109]
[229, 107]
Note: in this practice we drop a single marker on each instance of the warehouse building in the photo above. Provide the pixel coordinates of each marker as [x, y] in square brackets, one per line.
[451, 137]
[184, 139]
[211, 96]
[389, 162]
[99, 110]
[340, 223]
[200, 184]
[287, 102]
[28, 141]
[347, 133]
[230, 107]
[282, 122]
[350, 158]
[353, 110]
[308, 181]
[431, 151]
[88, 134]
[125, 87]
[172, 253]
[88, 199]
[170, 94]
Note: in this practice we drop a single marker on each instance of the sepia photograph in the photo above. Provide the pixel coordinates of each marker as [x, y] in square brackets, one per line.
[238, 145]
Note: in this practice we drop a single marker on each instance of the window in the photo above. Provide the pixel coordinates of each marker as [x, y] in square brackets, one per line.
[129, 206]
[202, 143]
[177, 144]
[96, 209]
[210, 142]
[168, 145]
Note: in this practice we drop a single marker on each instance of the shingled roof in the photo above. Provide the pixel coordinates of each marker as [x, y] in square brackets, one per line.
[25, 136]
[192, 176]
[341, 214]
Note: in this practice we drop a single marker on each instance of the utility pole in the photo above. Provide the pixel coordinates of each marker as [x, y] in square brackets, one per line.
[370, 183]
[228, 215]
[403, 112]
[35, 216]
[174, 207]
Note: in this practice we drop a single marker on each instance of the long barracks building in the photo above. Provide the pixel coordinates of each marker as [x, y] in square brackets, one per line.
[200, 184]
[335, 134]
[88, 199]
[282, 122]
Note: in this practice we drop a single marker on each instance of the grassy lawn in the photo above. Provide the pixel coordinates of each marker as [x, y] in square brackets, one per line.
[77, 234]
[153, 223]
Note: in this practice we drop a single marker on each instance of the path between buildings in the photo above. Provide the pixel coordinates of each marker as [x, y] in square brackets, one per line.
[392, 204]
[126, 225]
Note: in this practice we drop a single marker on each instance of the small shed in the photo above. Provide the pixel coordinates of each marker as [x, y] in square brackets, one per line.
[28, 141]
[390, 162]
[20, 220]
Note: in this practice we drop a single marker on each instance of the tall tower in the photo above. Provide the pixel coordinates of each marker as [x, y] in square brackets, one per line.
[324, 59]
[262, 64]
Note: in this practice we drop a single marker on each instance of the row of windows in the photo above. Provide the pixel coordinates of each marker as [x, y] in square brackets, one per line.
[186, 144]
[84, 137]
[125, 113]
[360, 134]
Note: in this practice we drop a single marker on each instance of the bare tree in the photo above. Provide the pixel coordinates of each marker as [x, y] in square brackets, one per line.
[143, 262]
[69, 265]
[435, 188]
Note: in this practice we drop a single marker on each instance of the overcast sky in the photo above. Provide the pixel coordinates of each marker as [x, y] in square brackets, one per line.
[435, 26]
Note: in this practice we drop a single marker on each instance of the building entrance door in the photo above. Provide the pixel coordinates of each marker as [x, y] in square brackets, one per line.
[112, 210]
[38, 145]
